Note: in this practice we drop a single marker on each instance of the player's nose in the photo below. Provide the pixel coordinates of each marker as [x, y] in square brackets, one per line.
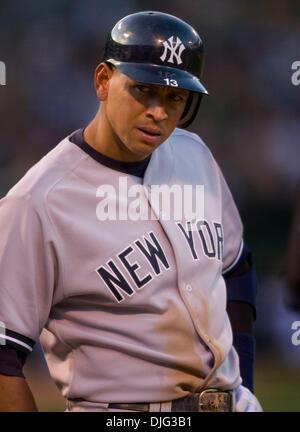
[157, 111]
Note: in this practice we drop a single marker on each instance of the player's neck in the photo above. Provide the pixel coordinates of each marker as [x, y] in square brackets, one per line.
[98, 142]
[98, 134]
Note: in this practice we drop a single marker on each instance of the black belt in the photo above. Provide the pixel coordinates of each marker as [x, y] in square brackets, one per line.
[209, 400]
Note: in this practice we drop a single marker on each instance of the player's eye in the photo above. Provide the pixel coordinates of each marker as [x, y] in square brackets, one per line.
[143, 88]
[176, 97]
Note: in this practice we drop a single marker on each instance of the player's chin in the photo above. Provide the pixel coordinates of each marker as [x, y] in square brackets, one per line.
[149, 140]
[146, 148]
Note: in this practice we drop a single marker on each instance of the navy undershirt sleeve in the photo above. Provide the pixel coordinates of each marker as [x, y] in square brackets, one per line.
[241, 281]
[12, 361]
[244, 344]
[241, 284]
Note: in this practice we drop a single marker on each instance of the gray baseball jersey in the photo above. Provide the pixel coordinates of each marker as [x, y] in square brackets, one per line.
[130, 309]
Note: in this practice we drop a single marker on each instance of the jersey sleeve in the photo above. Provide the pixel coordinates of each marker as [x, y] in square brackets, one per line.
[232, 227]
[27, 272]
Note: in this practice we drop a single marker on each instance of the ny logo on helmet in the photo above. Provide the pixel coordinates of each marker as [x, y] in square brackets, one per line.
[172, 46]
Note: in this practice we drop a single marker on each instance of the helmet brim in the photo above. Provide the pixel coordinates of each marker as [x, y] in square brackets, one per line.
[161, 75]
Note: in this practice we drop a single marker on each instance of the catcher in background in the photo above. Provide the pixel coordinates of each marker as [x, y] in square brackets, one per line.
[131, 310]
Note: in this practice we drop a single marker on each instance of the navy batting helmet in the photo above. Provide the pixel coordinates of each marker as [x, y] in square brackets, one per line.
[158, 48]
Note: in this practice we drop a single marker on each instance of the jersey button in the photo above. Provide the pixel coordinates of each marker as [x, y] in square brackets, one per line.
[188, 287]
[207, 338]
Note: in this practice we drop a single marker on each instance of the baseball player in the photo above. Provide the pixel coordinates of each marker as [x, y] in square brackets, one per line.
[128, 297]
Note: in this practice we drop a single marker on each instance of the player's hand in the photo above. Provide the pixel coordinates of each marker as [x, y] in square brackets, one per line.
[245, 401]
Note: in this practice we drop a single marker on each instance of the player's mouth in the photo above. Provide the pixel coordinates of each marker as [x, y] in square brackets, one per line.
[150, 135]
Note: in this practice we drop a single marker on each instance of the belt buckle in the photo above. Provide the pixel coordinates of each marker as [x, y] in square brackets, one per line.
[213, 400]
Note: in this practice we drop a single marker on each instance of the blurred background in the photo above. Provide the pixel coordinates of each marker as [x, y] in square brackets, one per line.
[250, 122]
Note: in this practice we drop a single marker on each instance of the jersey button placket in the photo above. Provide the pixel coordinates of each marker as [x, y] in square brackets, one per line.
[188, 287]
[207, 338]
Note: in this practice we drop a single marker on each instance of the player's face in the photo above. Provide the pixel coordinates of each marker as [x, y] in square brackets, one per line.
[140, 116]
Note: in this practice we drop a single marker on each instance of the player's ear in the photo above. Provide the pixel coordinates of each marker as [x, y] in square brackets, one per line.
[103, 74]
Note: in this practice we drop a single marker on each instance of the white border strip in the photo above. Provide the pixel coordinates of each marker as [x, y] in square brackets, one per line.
[236, 259]
[17, 341]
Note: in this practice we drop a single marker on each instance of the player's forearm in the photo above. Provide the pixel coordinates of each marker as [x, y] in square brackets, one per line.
[15, 395]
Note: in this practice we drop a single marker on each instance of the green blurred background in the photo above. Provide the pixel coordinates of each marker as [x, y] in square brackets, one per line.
[250, 121]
